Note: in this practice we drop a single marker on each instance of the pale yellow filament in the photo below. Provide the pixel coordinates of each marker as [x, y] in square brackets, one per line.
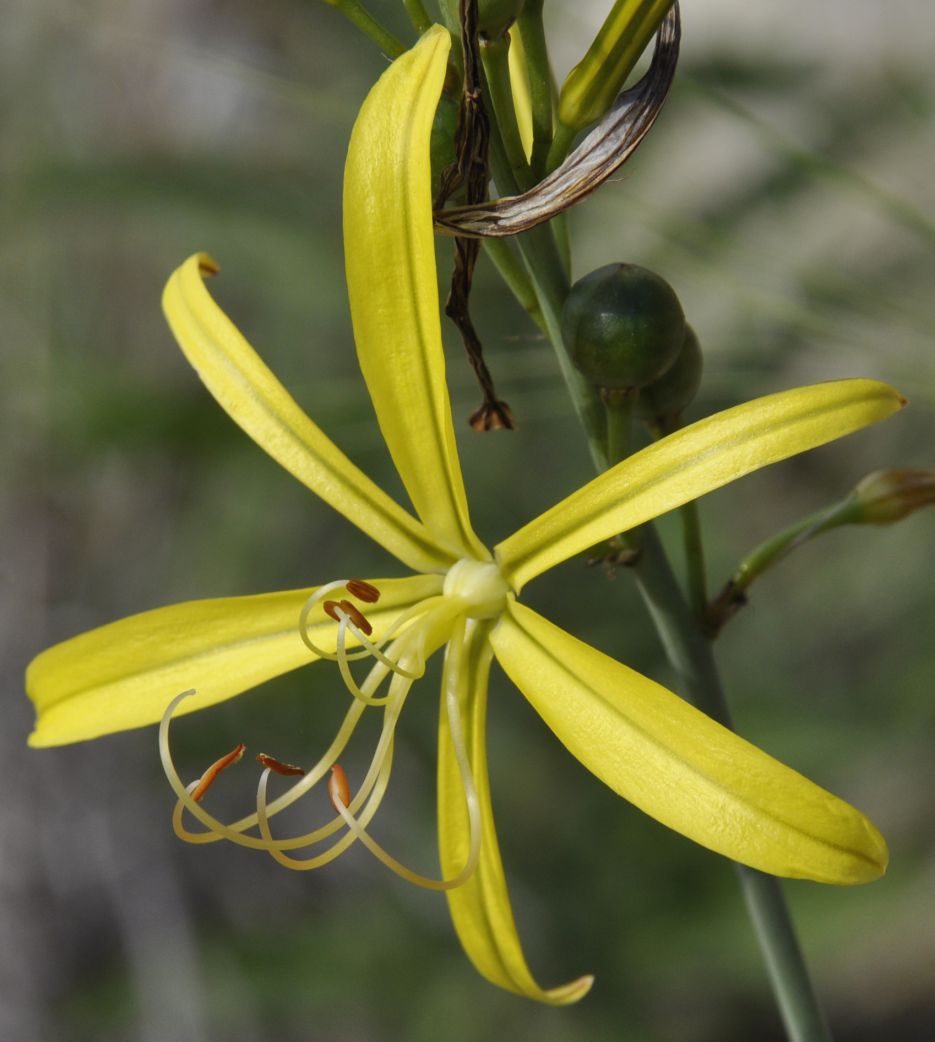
[452, 684]
[404, 661]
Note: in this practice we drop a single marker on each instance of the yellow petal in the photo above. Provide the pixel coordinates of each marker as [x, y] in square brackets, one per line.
[480, 909]
[691, 462]
[681, 767]
[253, 397]
[123, 675]
[391, 280]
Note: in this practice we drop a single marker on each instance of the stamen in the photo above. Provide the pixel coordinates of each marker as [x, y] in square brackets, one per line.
[368, 649]
[373, 650]
[207, 779]
[278, 766]
[334, 609]
[426, 882]
[373, 679]
[409, 632]
[275, 847]
[365, 803]
[306, 611]
[338, 789]
[362, 590]
[357, 617]
[216, 829]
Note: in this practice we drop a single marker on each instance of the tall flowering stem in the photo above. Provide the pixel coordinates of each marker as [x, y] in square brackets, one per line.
[680, 629]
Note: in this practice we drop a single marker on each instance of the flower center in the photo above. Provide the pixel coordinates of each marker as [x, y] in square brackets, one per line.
[478, 583]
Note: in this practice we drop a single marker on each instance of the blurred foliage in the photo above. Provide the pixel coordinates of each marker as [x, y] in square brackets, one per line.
[786, 195]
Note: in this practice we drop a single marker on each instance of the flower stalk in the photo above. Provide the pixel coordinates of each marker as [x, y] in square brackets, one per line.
[679, 625]
[691, 655]
[359, 16]
[881, 498]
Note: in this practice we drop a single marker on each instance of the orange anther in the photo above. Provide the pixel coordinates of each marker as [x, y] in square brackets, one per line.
[357, 617]
[215, 769]
[363, 591]
[278, 766]
[338, 789]
[333, 608]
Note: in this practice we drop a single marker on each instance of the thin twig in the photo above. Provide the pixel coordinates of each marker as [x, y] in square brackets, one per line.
[470, 170]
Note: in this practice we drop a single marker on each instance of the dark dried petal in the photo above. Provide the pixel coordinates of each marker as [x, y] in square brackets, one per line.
[601, 153]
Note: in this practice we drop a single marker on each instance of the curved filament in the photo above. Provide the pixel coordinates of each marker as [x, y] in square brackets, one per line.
[441, 618]
[234, 832]
[452, 691]
[273, 846]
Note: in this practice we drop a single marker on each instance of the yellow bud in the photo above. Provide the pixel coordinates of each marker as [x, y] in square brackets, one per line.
[591, 86]
[887, 496]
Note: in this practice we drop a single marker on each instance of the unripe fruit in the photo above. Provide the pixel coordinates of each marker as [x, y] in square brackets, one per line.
[623, 326]
[674, 391]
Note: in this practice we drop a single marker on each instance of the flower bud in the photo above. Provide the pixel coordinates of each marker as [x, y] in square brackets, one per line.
[591, 86]
[672, 393]
[887, 496]
[623, 326]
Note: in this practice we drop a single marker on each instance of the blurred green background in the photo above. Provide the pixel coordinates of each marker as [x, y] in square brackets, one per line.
[785, 193]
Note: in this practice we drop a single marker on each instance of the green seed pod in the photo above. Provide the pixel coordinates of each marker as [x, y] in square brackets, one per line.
[494, 17]
[623, 326]
[674, 391]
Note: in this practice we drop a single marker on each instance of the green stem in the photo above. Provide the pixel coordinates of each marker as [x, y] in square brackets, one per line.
[537, 248]
[559, 226]
[515, 275]
[541, 88]
[355, 13]
[550, 282]
[618, 405]
[733, 595]
[495, 55]
[785, 963]
[561, 145]
[771, 552]
[694, 559]
[692, 657]
[418, 15]
[448, 9]
[692, 543]
[686, 646]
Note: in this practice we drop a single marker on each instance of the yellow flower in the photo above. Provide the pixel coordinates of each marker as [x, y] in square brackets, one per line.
[646, 743]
